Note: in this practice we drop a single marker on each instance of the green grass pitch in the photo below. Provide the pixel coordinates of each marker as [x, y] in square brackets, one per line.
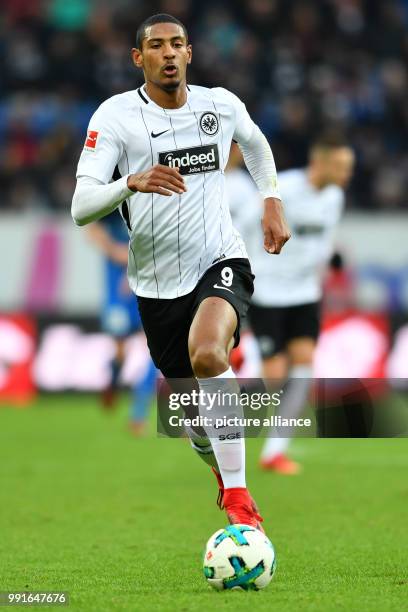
[120, 523]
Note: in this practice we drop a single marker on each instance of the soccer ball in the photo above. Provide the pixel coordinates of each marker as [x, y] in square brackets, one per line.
[239, 557]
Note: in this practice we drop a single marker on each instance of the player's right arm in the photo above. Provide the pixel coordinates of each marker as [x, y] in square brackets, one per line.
[95, 196]
[94, 199]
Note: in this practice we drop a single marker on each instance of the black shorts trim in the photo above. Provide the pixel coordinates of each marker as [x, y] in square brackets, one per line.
[167, 322]
[274, 327]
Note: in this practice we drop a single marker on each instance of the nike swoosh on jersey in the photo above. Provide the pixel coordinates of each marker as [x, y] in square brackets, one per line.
[153, 135]
[220, 287]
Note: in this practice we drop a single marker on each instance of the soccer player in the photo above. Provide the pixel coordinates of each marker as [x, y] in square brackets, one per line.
[187, 264]
[120, 315]
[284, 313]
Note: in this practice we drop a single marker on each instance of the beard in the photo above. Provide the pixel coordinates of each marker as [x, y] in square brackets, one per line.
[170, 86]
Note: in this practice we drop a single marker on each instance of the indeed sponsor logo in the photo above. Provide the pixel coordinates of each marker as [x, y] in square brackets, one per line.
[192, 160]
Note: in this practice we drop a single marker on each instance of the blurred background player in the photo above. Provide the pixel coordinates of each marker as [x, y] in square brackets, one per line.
[120, 315]
[285, 310]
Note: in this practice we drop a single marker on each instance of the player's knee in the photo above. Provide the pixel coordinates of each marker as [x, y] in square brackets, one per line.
[275, 368]
[209, 360]
[301, 352]
[303, 358]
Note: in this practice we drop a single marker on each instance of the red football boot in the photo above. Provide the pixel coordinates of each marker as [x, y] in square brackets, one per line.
[223, 493]
[220, 498]
[281, 464]
[238, 505]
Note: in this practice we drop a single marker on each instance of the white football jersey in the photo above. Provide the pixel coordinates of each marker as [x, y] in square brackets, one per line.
[294, 276]
[173, 239]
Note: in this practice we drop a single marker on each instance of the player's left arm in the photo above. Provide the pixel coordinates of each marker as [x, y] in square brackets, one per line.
[260, 162]
[328, 246]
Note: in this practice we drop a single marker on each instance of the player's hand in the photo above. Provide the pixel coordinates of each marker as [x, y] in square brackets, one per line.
[158, 179]
[275, 229]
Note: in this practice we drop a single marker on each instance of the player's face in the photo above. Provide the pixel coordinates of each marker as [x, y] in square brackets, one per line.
[164, 55]
[337, 166]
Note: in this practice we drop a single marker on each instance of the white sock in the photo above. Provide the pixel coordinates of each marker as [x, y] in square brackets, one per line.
[230, 454]
[291, 407]
[274, 446]
[202, 447]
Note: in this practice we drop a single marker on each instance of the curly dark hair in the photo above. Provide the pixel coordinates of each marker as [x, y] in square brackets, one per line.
[159, 18]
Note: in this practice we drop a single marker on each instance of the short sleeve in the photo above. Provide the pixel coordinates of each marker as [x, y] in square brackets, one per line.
[244, 126]
[103, 147]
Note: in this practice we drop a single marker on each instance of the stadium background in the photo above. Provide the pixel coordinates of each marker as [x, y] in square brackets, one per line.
[300, 66]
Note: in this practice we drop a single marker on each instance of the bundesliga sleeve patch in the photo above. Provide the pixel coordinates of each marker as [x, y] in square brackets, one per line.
[90, 142]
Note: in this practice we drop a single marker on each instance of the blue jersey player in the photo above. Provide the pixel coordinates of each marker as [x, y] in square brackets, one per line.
[120, 315]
